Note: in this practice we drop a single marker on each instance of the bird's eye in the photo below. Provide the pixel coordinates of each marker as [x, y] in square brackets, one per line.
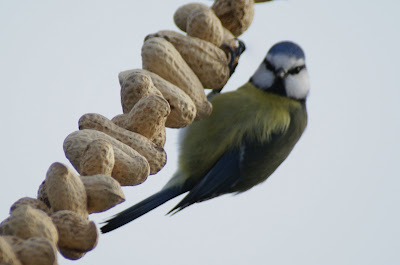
[296, 70]
[269, 66]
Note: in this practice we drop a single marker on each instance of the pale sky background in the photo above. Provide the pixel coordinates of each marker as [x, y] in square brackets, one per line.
[334, 201]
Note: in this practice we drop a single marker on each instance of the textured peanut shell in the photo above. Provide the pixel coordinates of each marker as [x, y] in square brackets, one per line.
[229, 39]
[97, 158]
[75, 232]
[42, 194]
[13, 240]
[103, 193]
[147, 118]
[130, 167]
[236, 15]
[36, 251]
[129, 122]
[7, 254]
[34, 203]
[205, 25]
[183, 110]
[155, 155]
[71, 254]
[207, 61]
[182, 13]
[135, 87]
[26, 222]
[65, 190]
[161, 57]
[130, 171]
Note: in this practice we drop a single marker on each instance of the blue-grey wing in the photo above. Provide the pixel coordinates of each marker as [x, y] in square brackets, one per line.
[219, 180]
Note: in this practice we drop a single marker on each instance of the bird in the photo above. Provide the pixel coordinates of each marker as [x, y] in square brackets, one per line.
[250, 132]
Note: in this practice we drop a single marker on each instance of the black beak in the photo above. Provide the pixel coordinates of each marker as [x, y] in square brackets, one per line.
[280, 73]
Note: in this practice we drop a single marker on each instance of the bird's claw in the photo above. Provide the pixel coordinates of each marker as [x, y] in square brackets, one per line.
[233, 62]
[234, 54]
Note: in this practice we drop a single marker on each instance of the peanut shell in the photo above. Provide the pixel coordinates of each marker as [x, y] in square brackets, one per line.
[97, 158]
[229, 39]
[134, 88]
[130, 167]
[7, 254]
[205, 25]
[147, 118]
[130, 171]
[13, 240]
[155, 155]
[25, 222]
[42, 194]
[182, 13]
[36, 251]
[65, 190]
[34, 203]
[71, 254]
[235, 15]
[161, 57]
[183, 110]
[75, 232]
[103, 193]
[208, 62]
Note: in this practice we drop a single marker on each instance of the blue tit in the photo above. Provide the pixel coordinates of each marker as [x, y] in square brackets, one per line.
[249, 134]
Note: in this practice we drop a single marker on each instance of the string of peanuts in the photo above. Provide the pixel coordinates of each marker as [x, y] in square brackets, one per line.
[124, 151]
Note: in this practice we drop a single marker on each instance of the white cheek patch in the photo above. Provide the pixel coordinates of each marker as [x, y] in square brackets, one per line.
[263, 78]
[298, 85]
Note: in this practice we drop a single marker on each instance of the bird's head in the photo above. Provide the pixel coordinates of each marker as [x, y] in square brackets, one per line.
[283, 71]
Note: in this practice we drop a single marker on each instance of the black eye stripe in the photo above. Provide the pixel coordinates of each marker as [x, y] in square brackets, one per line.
[292, 71]
[268, 65]
[296, 70]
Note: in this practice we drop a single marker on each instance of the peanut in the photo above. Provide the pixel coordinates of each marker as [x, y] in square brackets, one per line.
[207, 61]
[103, 193]
[229, 39]
[36, 251]
[97, 158]
[134, 88]
[130, 171]
[34, 203]
[42, 194]
[182, 13]
[25, 222]
[161, 57]
[65, 190]
[147, 118]
[76, 233]
[205, 25]
[13, 240]
[235, 15]
[130, 167]
[155, 155]
[183, 110]
[7, 254]
[71, 254]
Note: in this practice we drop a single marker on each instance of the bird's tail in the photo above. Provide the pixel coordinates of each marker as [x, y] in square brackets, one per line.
[140, 208]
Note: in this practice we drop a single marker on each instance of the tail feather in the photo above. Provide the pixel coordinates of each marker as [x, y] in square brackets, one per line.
[140, 209]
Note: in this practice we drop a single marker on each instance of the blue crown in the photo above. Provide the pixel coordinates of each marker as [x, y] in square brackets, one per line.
[288, 48]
